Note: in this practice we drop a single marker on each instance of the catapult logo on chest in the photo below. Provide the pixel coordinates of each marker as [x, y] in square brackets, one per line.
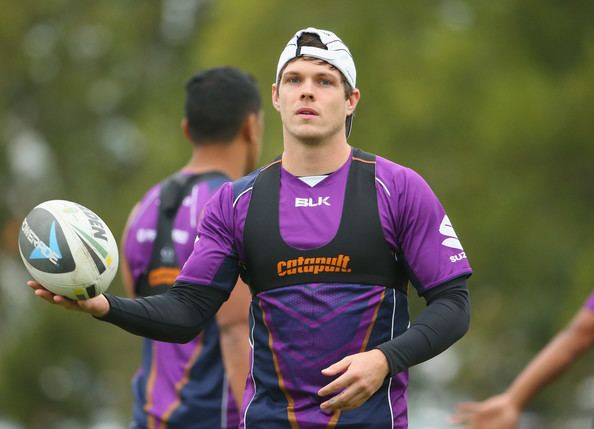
[312, 202]
[314, 265]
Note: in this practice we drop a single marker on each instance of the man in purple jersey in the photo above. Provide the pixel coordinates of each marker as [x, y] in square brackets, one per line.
[187, 385]
[328, 238]
[503, 411]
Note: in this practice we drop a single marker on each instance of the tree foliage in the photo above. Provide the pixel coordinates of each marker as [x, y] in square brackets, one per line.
[490, 101]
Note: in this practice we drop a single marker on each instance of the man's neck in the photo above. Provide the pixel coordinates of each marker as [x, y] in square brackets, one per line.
[315, 159]
[217, 157]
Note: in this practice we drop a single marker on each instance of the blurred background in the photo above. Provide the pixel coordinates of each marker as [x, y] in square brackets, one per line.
[492, 102]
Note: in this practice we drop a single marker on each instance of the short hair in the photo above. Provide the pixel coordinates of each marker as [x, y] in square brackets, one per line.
[313, 40]
[217, 102]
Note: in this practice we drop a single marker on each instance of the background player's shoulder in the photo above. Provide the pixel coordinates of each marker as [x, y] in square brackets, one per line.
[244, 184]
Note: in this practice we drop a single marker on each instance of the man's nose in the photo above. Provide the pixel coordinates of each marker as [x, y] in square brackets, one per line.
[307, 90]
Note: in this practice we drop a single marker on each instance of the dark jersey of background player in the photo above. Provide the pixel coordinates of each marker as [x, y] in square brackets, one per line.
[185, 385]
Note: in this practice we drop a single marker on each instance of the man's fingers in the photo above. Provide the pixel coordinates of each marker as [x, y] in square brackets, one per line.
[338, 367]
[458, 419]
[34, 285]
[463, 412]
[45, 294]
[341, 382]
[51, 297]
[336, 385]
[350, 398]
[467, 406]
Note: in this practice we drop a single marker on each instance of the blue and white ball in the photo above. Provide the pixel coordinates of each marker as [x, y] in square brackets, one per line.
[68, 249]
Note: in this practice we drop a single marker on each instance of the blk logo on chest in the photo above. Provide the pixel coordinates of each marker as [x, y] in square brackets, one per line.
[312, 202]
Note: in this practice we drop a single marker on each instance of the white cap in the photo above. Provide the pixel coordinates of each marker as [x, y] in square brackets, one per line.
[336, 53]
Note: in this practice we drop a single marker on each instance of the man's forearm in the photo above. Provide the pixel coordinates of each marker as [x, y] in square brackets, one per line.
[560, 354]
[175, 316]
[444, 321]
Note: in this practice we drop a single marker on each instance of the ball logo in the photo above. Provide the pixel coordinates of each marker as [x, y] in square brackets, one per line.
[44, 247]
[42, 250]
[96, 224]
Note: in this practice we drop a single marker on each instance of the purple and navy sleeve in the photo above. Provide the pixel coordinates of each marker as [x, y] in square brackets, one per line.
[214, 247]
[422, 232]
[179, 314]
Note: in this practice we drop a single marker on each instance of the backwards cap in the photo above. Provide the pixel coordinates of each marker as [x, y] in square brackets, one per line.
[337, 54]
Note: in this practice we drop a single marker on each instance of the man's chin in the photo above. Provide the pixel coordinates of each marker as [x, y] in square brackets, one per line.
[309, 135]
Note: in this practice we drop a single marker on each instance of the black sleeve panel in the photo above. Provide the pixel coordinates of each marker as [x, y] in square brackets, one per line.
[175, 316]
[443, 322]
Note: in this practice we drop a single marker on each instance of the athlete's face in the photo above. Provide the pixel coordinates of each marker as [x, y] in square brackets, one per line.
[310, 97]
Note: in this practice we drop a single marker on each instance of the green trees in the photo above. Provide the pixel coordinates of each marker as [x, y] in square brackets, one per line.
[490, 101]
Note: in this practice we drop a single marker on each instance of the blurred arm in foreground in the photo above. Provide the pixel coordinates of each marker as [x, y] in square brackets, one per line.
[503, 411]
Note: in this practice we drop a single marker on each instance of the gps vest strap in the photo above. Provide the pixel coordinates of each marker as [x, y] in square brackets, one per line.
[358, 253]
[163, 266]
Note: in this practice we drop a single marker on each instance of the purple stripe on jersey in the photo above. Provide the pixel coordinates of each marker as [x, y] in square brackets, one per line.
[250, 389]
[324, 323]
[590, 302]
[399, 400]
[168, 375]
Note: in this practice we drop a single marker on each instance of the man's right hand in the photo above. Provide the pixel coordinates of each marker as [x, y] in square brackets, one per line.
[97, 306]
[497, 412]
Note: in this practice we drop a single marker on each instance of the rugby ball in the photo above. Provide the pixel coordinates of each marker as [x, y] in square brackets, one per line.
[68, 249]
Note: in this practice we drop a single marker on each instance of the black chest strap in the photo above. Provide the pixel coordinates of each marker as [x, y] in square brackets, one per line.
[358, 253]
[164, 265]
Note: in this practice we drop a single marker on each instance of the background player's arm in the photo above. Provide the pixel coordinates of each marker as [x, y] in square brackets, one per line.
[232, 319]
[503, 411]
[127, 280]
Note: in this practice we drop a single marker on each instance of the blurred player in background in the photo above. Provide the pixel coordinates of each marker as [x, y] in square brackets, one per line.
[187, 385]
[327, 237]
[503, 411]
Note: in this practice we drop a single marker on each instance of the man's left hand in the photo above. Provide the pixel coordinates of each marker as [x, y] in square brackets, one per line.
[362, 375]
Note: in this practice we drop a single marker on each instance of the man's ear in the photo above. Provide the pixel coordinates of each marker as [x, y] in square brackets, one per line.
[352, 101]
[186, 129]
[275, 102]
[250, 128]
